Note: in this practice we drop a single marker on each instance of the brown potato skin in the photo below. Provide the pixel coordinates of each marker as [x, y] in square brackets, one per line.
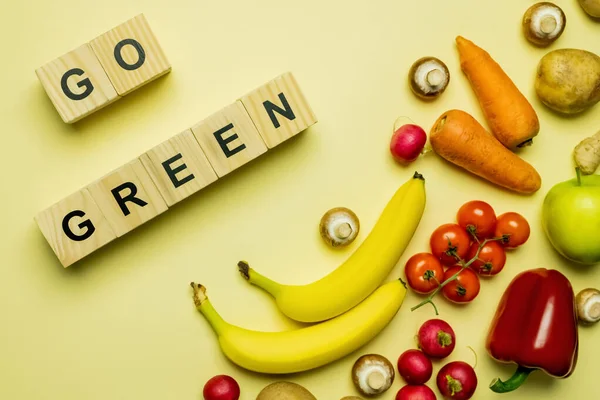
[591, 7]
[283, 390]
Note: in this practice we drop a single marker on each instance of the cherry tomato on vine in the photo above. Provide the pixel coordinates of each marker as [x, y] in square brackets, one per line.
[424, 272]
[514, 227]
[478, 218]
[464, 288]
[491, 259]
[448, 241]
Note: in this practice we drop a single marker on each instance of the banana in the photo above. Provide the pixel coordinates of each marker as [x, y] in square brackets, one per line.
[362, 272]
[309, 347]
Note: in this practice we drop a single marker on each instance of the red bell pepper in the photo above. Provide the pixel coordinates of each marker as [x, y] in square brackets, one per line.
[535, 327]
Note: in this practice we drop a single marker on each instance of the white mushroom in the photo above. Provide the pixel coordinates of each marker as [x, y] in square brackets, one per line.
[428, 77]
[543, 23]
[372, 374]
[339, 226]
[588, 306]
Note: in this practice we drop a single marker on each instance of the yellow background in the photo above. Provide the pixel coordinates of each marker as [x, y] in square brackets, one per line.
[121, 324]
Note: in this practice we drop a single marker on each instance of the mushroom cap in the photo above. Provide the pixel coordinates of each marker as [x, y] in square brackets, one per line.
[543, 23]
[588, 305]
[372, 374]
[428, 77]
[339, 226]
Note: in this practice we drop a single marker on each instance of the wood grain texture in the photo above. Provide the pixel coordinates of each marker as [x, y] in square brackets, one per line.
[141, 199]
[102, 91]
[90, 223]
[275, 120]
[142, 70]
[229, 138]
[186, 169]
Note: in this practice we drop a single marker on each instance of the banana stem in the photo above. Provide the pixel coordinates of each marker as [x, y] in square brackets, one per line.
[205, 307]
[268, 285]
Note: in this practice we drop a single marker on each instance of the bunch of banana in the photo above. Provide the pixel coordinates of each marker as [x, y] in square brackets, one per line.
[348, 307]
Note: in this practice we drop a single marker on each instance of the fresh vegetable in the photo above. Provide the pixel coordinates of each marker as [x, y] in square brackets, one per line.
[511, 118]
[308, 347]
[567, 80]
[436, 338]
[351, 398]
[464, 288]
[407, 143]
[415, 367]
[478, 218]
[588, 306]
[543, 23]
[428, 77]
[458, 138]
[415, 392]
[513, 228]
[535, 327]
[362, 273]
[424, 272]
[591, 7]
[221, 387]
[284, 390]
[491, 259]
[457, 380]
[339, 226]
[372, 374]
[571, 218]
[449, 242]
[587, 154]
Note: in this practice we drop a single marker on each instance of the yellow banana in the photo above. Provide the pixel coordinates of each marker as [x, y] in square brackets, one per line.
[362, 272]
[304, 348]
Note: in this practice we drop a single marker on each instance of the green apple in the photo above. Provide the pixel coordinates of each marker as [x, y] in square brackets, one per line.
[571, 218]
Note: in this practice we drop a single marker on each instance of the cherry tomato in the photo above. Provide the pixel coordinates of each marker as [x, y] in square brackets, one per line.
[424, 272]
[465, 288]
[449, 240]
[491, 259]
[478, 218]
[514, 228]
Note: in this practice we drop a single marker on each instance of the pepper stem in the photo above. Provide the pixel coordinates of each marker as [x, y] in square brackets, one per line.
[578, 172]
[513, 382]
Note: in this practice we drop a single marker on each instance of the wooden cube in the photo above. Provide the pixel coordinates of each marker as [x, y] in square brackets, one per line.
[131, 55]
[279, 109]
[178, 167]
[229, 138]
[76, 84]
[127, 197]
[74, 227]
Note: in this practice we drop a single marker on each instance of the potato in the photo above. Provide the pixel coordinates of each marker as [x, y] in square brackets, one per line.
[592, 7]
[568, 80]
[284, 390]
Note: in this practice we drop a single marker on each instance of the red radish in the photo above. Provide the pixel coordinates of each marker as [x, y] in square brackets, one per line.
[407, 143]
[436, 338]
[457, 381]
[221, 387]
[415, 392]
[415, 367]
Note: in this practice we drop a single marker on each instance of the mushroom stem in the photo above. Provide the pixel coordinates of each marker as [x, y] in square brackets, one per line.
[435, 77]
[343, 231]
[376, 380]
[548, 24]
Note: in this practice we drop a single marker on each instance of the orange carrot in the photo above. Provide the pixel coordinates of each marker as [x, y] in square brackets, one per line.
[460, 139]
[511, 118]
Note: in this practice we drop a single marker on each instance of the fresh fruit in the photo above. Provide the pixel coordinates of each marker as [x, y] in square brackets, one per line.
[449, 241]
[513, 228]
[478, 218]
[339, 227]
[415, 367]
[571, 218]
[362, 272]
[457, 381]
[309, 347]
[221, 387]
[424, 272]
[510, 116]
[436, 338]
[372, 374]
[407, 143]
[491, 259]
[591, 7]
[587, 154]
[428, 78]
[568, 79]
[460, 139]
[587, 302]
[464, 288]
[284, 390]
[415, 392]
[543, 23]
